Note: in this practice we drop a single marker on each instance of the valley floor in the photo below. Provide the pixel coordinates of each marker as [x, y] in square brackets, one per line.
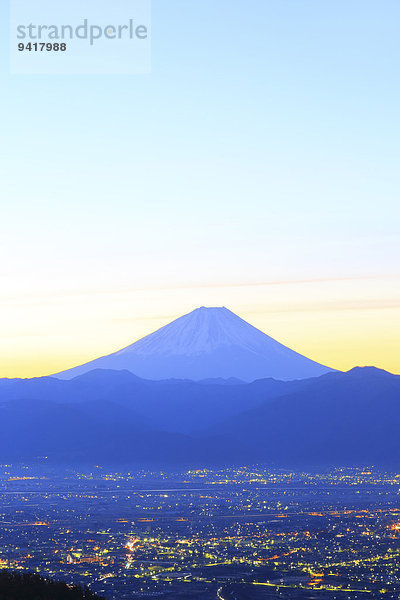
[249, 533]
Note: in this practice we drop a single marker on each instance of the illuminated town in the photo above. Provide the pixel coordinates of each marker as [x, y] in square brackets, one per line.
[245, 533]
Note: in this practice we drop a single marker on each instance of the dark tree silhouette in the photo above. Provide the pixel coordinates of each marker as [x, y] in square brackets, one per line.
[30, 586]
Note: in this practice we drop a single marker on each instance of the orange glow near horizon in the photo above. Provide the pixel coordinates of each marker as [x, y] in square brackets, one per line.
[261, 176]
[339, 323]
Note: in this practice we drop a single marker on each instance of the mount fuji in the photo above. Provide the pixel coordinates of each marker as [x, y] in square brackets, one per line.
[207, 343]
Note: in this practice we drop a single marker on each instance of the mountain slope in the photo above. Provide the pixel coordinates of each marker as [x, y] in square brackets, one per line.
[205, 344]
[112, 417]
[174, 405]
[340, 418]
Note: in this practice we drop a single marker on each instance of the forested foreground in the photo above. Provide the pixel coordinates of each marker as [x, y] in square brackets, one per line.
[30, 586]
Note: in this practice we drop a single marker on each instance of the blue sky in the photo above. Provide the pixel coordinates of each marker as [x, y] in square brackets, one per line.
[262, 149]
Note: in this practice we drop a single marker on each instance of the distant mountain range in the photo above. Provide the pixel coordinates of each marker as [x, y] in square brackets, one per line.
[116, 417]
[207, 343]
[206, 389]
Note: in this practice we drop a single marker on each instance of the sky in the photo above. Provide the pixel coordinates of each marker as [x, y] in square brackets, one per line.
[256, 167]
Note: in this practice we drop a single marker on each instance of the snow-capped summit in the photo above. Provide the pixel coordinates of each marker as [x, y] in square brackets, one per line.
[207, 343]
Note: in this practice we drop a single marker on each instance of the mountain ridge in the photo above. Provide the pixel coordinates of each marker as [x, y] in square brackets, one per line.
[114, 418]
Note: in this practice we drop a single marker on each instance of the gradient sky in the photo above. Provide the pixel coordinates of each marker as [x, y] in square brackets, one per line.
[256, 167]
